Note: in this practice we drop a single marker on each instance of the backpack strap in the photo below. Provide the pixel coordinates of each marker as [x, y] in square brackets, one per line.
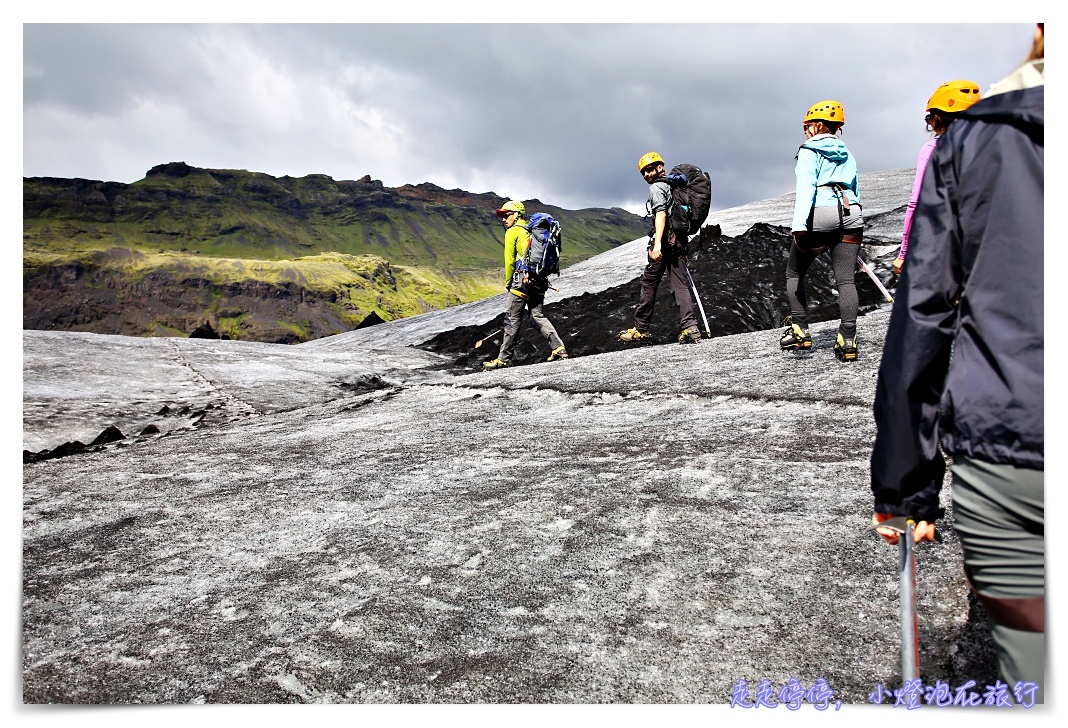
[805, 145]
[670, 202]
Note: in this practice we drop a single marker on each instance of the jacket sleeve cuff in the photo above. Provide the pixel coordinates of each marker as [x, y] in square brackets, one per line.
[916, 511]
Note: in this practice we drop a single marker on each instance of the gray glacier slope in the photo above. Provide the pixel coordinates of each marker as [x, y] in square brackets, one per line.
[347, 521]
[701, 516]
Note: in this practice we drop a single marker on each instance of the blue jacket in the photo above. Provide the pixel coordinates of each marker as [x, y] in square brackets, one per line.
[821, 161]
[963, 360]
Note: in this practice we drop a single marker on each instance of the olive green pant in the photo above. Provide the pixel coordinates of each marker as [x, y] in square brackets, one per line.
[999, 514]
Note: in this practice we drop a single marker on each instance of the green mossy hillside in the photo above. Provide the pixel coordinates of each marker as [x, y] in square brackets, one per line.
[128, 292]
[246, 215]
[267, 258]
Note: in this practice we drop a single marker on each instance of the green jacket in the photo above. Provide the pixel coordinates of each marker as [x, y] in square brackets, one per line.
[516, 242]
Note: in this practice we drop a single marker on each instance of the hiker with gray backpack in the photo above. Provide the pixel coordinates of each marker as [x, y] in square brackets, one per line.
[678, 203]
[531, 254]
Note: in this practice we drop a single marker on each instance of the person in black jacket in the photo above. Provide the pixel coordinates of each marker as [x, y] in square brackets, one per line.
[962, 366]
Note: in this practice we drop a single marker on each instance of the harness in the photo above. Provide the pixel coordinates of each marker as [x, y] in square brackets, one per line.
[839, 190]
[817, 243]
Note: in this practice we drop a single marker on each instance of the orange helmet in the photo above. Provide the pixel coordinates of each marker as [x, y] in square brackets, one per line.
[649, 158]
[953, 96]
[826, 111]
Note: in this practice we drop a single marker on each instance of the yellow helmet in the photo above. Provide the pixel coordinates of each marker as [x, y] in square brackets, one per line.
[649, 158]
[826, 111]
[512, 206]
[953, 96]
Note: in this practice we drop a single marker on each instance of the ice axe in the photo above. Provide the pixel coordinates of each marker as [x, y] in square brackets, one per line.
[910, 649]
[708, 331]
[878, 283]
[480, 341]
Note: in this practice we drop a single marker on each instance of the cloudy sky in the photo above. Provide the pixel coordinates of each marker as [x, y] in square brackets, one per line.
[559, 112]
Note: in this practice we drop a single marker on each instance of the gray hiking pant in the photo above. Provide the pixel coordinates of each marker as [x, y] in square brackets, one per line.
[999, 514]
[517, 309]
[844, 264]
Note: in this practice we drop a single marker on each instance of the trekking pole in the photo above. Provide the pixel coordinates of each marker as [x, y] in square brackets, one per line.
[479, 342]
[708, 331]
[910, 649]
[870, 272]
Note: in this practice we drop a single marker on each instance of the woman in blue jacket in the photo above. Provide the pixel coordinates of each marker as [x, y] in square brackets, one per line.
[827, 217]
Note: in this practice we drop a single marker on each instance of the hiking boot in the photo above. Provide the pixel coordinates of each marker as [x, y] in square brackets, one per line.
[690, 336]
[558, 353]
[494, 364]
[846, 349]
[795, 338]
[635, 335]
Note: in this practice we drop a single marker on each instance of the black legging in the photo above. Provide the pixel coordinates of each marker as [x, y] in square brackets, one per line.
[844, 263]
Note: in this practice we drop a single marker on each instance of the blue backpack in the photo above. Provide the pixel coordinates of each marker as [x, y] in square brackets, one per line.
[543, 253]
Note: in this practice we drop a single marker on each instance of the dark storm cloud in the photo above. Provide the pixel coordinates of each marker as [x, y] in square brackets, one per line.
[559, 112]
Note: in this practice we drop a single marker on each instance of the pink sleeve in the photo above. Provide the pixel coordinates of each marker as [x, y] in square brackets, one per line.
[921, 165]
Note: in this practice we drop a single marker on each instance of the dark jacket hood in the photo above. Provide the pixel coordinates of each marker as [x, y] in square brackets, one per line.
[1024, 107]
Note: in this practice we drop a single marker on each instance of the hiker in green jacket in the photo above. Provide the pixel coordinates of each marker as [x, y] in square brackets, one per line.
[525, 297]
